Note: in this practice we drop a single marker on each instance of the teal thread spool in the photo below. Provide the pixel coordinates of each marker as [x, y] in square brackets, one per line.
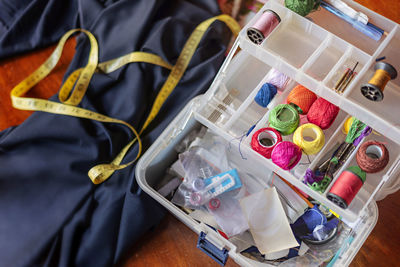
[284, 118]
[302, 7]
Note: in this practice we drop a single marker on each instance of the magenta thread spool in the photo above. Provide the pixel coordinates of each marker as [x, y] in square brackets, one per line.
[263, 26]
[286, 155]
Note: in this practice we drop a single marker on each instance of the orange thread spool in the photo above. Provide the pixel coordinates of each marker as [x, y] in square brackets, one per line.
[301, 98]
[373, 90]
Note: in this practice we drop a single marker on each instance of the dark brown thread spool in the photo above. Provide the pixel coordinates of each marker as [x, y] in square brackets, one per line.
[373, 90]
[372, 156]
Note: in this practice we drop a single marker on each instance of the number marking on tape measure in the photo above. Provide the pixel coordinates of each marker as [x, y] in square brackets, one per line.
[75, 86]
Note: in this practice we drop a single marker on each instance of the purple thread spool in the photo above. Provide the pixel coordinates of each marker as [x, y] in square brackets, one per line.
[263, 26]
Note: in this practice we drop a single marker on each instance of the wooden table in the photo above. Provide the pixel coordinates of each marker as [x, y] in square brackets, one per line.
[172, 243]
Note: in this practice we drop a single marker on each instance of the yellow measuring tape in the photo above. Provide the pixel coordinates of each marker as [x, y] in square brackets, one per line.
[75, 86]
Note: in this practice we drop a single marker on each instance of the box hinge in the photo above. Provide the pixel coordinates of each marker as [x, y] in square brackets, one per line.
[219, 255]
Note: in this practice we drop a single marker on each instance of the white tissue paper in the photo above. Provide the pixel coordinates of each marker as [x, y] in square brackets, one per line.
[267, 221]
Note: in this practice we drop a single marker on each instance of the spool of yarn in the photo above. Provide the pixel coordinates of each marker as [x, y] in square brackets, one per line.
[265, 94]
[310, 138]
[373, 90]
[263, 26]
[284, 118]
[302, 7]
[286, 155]
[347, 125]
[301, 98]
[372, 156]
[264, 140]
[322, 113]
[347, 186]
[278, 79]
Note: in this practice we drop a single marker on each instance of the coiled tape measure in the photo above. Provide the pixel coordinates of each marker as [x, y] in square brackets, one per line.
[75, 86]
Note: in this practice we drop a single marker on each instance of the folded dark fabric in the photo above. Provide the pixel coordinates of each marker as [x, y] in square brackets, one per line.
[50, 212]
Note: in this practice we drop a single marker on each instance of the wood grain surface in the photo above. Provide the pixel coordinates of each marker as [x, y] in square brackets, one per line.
[172, 243]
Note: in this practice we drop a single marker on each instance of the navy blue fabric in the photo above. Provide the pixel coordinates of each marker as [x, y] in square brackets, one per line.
[50, 212]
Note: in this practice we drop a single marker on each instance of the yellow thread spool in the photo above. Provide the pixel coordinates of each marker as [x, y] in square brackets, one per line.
[347, 125]
[310, 138]
[373, 90]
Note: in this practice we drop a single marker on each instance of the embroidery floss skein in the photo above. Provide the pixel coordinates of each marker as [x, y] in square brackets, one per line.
[265, 94]
[286, 155]
[264, 140]
[284, 118]
[322, 113]
[347, 186]
[301, 98]
[278, 79]
[263, 26]
[310, 138]
[372, 156]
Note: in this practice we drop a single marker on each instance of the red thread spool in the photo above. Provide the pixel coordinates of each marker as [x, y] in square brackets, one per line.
[301, 98]
[214, 203]
[264, 141]
[372, 156]
[346, 186]
[322, 113]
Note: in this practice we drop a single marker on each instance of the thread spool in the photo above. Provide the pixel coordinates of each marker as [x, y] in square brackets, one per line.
[347, 125]
[198, 184]
[278, 79]
[195, 199]
[265, 94]
[372, 156]
[302, 7]
[263, 26]
[322, 113]
[284, 118]
[214, 204]
[264, 140]
[347, 186]
[373, 90]
[286, 155]
[310, 138]
[301, 98]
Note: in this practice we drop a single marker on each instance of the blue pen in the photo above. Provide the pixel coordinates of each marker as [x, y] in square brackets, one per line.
[368, 30]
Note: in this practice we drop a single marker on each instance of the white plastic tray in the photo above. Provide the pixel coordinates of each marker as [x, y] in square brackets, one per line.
[326, 55]
[153, 164]
[313, 53]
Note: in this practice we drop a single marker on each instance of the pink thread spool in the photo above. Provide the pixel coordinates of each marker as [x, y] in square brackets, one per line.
[263, 26]
[286, 155]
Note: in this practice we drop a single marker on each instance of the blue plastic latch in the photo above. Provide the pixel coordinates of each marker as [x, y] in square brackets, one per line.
[220, 256]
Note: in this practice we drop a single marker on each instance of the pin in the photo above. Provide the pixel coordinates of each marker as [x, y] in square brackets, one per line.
[345, 80]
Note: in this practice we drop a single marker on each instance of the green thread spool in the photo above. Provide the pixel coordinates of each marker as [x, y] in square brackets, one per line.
[302, 7]
[357, 171]
[284, 118]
